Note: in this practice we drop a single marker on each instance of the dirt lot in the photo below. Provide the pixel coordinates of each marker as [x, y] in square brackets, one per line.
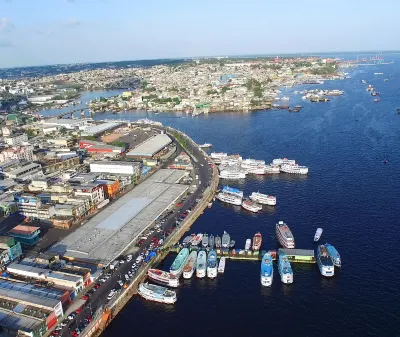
[112, 137]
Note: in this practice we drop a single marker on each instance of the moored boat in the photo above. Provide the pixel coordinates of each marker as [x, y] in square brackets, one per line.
[232, 244]
[325, 263]
[284, 235]
[264, 199]
[221, 265]
[190, 265]
[201, 264]
[294, 169]
[251, 206]
[204, 241]
[333, 253]
[156, 293]
[272, 169]
[247, 246]
[217, 242]
[233, 191]
[205, 145]
[211, 241]
[179, 262]
[232, 174]
[284, 268]
[318, 234]
[229, 198]
[212, 264]
[281, 161]
[257, 240]
[186, 240]
[197, 239]
[226, 239]
[163, 277]
[267, 270]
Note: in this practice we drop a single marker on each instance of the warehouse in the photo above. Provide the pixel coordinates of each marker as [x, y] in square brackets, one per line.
[100, 128]
[116, 167]
[105, 236]
[150, 147]
[99, 147]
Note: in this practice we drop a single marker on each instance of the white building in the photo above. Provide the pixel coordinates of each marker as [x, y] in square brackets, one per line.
[29, 171]
[115, 167]
[16, 139]
[20, 152]
[94, 191]
[70, 124]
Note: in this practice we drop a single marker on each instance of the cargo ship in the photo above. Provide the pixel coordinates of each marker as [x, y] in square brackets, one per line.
[163, 278]
[190, 265]
[179, 262]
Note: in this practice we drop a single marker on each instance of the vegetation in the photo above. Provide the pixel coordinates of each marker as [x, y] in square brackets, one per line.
[211, 92]
[255, 86]
[103, 99]
[119, 143]
[31, 133]
[90, 138]
[225, 89]
[148, 98]
[328, 69]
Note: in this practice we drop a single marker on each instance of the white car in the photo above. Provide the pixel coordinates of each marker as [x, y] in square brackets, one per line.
[120, 283]
[129, 258]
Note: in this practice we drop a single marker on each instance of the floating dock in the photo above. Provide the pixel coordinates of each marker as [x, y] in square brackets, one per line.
[299, 255]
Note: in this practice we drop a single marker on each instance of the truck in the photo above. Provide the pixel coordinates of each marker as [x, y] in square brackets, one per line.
[114, 265]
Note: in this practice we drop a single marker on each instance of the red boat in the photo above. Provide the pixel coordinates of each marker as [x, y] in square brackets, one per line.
[257, 240]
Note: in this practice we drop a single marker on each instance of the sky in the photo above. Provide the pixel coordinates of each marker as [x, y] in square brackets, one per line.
[42, 32]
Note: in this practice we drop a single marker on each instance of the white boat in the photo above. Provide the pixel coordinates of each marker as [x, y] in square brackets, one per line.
[201, 264]
[272, 169]
[190, 265]
[229, 198]
[281, 161]
[324, 261]
[234, 191]
[260, 170]
[318, 234]
[252, 162]
[264, 199]
[218, 155]
[204, 241]
[232, 174]
[284, 268]
[221, 266]
[294, 169]
[284, 235]
[197, 239]
[205, 145]
[226, 240]
[251, 206]
[156, 293]
[212, 264]
[179, 262]
[248, 244]
[163, 277]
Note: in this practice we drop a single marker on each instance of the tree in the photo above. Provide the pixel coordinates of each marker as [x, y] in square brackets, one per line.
[31, 133]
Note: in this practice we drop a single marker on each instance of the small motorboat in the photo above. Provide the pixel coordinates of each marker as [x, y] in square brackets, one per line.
[376, 100]
[318, 234]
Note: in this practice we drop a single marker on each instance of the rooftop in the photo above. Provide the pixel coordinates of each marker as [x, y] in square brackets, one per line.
[96, 129]
[15, 322]
[150, 146]
[22, 229]
[26, 167]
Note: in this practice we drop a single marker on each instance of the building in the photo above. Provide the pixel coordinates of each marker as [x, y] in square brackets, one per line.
[26, 235]
[9, 250]
[16, 139]
[150, 147]
[61, 163]
[100, 128]
[111, 188]
[31, 207]
[63, 142]
[116, 167]
[17, 153]
[94, 191]
[28, 171]
[100, 148]
[182, 162]
[69, 124]
[7, 204]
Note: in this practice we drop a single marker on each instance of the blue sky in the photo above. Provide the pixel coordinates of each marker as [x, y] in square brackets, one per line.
[37, 32]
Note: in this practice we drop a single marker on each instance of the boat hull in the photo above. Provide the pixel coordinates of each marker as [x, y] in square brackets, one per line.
[266, 281]
[188, 274]
[211, 272]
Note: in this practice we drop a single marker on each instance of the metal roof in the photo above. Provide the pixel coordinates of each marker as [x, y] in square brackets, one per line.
[96, 129]
[15, 322]
[150, 146]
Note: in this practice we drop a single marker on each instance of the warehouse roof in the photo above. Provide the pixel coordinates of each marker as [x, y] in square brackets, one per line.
[16, 322]
[99, 128]
[150, 146]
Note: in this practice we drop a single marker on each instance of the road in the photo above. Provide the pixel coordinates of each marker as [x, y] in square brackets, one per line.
[99, 297]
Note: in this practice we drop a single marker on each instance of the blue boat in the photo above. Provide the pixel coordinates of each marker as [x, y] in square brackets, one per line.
[267, 270]
[333, 253]
[324, 261]
[284, 268]
[212, 263]
[233, 191]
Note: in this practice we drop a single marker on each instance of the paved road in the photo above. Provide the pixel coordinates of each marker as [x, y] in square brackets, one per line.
[99, 297]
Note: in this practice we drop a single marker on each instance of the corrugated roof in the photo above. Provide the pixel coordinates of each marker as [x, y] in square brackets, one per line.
[151, 146]
[96, 129]
[16, 322]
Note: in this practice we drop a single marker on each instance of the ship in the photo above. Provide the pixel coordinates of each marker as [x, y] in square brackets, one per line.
[233, 191]
[248, 163]
[229, 198]
[294, 169]
[257, 240]
[201, 264]
[217, 242]
[190, 265]
[325, 263]
[221, 265]
[187, 240]
[204, 241]
[318, 234]
[205, 145]
[251, 206]
[264, 199]
[232, 174]
[284, 235]
[259, 170]
[232, 244]
[247, 246]
[156, 293]
[333, 253]
[267, 270]
[163, 277]
[226, 239]
[211, 241]
[218, 155]
[284, 268]
[272, 169]
[212, 264]
[197, 239]
[281, 161]
[179, 262]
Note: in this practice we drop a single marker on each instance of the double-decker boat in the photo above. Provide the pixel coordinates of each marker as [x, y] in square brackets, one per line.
[294, 169]
[179, 262]
[226, 239]
[264, 199]
[190, 265]
[284, 235]
[201, 264]
[232, 174]
[156, 293]
[281, 161]
[284, 268]
[163, 277]
[333, 253]
[212, 264]
[272, 169]
[229, 198]
[324, 261]
[251, 206]
[267, 270]
[233, 191]
[257, 240]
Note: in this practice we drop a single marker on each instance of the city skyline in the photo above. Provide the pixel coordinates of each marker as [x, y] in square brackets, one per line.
[89, 31]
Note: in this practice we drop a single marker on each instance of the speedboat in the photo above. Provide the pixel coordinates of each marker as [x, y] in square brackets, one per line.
[318, 234]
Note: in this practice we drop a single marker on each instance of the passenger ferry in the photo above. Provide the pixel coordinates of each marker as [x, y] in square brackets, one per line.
[217, 242]
[229, 198]
[221, 266]
[259, 170]
[284, 268]
[248, 163]
[294, 169]
[284, 235]
[201, 264]
[226, 239]
[190, 265]
[324, 261]
[163, 277]
[267, 270]
[264, 199]
[257, 240]
[231, 190]
[251, 206]
[272, 169]
[211, 241]
[282, 161]
[212, 263]
[156, 293]
[333, 253]
[204, 241]
[232, 174]
[218, 155]
[179, 262]
[318, 234]
[197, 239]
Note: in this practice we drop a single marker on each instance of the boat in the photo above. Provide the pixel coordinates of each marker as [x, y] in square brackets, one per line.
[246, 163]
[232, 244]
[179, 262]
[247, 246]
[163, 277]
[197, 239]
[376, 100]
[218, 155]
[186, 240]
[267, 270]
[212, 264]
[272, 169]
[259, 170]
[232, 174]
[318, 234]
[294, 169]
[333, 253]
[257, 240]
[221, 266]
[156, 293]
[205, 145]
[226, 239]
[211, 241]
[233, 191]
[190, 265]
[217, 242]
[264, 199]
[251, 206]
[204, 241]
[325, 263]
[284, 235]
[281, 161]
[363, 81]
[229, 198]
[378, 73]
[284, 268]
[201, 264]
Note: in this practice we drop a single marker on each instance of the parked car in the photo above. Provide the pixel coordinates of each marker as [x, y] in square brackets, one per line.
[71, 316]
[85, 297]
